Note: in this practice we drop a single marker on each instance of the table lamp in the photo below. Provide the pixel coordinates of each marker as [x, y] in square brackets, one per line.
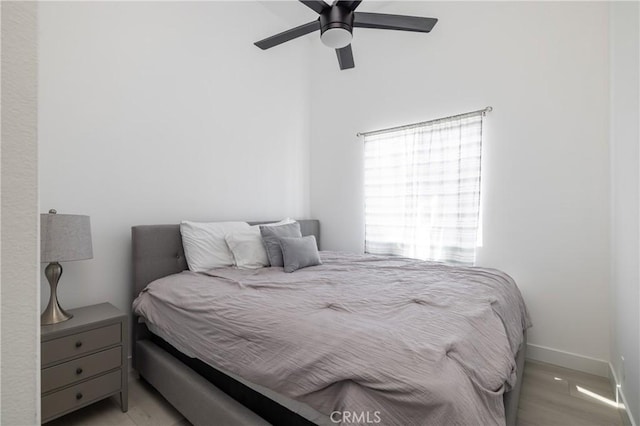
[63, 238]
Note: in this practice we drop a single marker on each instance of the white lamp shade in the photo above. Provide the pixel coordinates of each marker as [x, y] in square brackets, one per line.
[336, 38]
[65, 237]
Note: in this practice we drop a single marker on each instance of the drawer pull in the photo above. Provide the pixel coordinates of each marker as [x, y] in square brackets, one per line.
[79, 396]
[78, 344]
[79, 370]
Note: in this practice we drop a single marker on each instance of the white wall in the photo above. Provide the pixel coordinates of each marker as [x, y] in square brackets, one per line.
[154, 112]
[625, 190]
[142, 120]
[543, 66]
[20, 316]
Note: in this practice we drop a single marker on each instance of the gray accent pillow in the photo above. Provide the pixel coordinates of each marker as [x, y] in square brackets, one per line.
[271, 238]
[299, 252]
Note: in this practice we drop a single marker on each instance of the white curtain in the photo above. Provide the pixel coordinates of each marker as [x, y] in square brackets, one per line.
[422, 189]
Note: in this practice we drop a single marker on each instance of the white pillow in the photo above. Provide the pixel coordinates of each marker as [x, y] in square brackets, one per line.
[284, 221]
[205, 246]
[247, 248]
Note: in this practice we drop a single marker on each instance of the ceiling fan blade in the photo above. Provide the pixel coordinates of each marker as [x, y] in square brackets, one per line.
[288, 35]
[345, 57]
[393, 22]
[351, 5]
[317, 5]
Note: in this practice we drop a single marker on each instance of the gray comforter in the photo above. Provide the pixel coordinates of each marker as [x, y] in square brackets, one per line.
[410, 342]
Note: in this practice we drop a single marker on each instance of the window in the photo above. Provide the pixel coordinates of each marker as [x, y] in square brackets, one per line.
[422, 189]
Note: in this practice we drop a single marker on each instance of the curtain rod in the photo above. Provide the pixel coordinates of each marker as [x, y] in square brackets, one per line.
[483, 111]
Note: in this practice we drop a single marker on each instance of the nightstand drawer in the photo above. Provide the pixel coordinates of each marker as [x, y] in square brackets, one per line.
[80, 369]
[81, 343]
[81, 394]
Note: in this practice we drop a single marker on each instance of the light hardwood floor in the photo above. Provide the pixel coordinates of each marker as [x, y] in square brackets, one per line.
[558, 396]
[551, 396]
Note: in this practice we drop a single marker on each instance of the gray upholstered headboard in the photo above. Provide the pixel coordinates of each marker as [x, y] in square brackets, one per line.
[158, 252]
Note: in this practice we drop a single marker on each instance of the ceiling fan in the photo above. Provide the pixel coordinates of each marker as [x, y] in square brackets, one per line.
[336, 23]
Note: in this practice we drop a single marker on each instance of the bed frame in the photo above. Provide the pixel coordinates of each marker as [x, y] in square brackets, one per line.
[192, 387]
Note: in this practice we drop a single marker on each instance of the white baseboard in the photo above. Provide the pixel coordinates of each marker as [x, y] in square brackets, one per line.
[570, 360]
[627, 418]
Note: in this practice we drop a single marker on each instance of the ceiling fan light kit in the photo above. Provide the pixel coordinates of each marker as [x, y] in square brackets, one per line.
[336, 27]
[336, 23]
[336, 38]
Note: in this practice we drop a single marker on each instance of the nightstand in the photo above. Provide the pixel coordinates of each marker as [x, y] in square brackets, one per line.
[84, 360]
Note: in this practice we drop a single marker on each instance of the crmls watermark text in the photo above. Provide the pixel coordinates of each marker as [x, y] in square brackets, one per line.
[346, 417]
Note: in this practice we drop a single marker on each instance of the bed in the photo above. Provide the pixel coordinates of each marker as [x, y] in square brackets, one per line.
[226, 386]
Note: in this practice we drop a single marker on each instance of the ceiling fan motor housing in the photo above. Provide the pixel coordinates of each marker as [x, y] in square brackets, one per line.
[336, 17]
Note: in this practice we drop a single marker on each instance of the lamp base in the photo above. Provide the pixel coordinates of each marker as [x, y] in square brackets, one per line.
[54, 313]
